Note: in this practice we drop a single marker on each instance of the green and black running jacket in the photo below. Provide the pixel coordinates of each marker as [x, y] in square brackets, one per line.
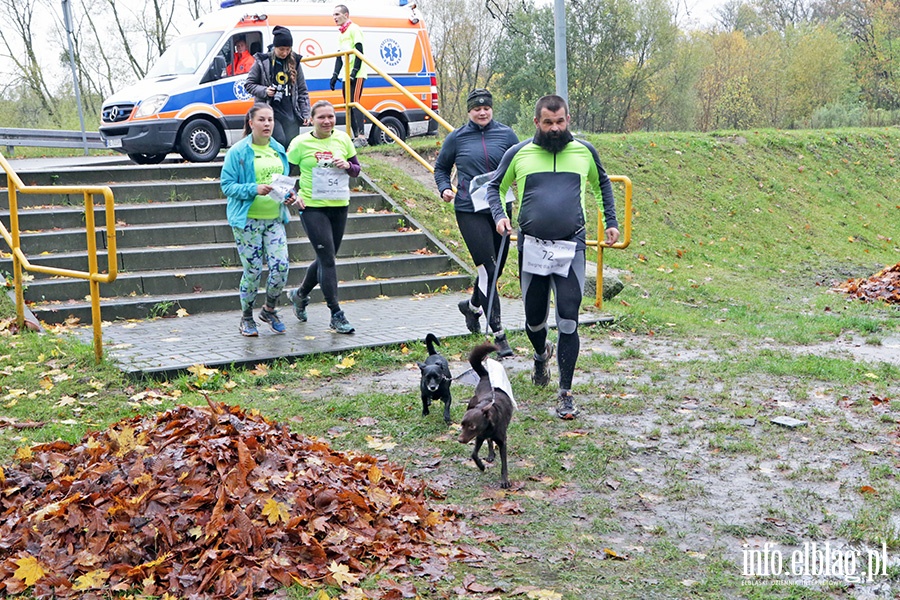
[551, 189]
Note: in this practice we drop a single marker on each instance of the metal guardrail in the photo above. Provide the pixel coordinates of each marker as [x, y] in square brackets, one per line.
[94, 277]
[48, 138]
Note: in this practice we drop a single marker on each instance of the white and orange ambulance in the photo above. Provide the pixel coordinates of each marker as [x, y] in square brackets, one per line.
[188, 103]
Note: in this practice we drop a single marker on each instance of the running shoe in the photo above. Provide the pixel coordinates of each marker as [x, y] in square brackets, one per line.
[541, 375]
[248, 327]
[472, 316]
[272, 318]
[340, 324]
[503, 349]
[565, 406]
[300, 303]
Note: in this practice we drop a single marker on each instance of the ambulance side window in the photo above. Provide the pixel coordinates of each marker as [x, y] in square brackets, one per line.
[238, 53]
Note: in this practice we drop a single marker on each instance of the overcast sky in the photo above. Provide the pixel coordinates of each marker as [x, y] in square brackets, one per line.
[692, 13]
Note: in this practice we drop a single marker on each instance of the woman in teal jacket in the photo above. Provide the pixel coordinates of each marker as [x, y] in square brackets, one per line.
[256, 218]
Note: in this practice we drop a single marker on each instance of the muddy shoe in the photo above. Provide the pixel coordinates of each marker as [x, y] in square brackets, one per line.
[472, 317]
[300, 303]
[541, 375]
[565, 406]
[503, 349]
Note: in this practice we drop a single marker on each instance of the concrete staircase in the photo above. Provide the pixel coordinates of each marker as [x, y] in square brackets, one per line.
[176, 250]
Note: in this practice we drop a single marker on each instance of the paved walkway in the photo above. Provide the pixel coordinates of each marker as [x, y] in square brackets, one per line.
[166, 346]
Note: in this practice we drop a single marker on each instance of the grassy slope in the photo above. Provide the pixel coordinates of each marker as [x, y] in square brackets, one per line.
[756, 224]
[732, 241]
[740, 232]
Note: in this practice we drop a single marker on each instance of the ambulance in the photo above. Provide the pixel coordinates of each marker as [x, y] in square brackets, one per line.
[189, 103]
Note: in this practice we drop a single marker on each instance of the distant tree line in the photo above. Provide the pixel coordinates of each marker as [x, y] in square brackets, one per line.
[632, 66]
[762, 63]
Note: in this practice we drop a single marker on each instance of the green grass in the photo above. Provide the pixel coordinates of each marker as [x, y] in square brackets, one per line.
[727, 282]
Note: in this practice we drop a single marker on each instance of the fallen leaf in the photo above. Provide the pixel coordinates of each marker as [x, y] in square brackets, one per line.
[341, 574]
[29, 570]
[544, 595]
[91, 580]
[508, 507]
[275, 511]
[610, 553]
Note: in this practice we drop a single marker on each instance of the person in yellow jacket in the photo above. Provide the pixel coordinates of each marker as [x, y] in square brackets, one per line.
[350, 37]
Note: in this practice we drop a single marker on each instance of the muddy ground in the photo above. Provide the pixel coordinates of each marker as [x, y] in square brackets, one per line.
[685, 471]
[703, 461]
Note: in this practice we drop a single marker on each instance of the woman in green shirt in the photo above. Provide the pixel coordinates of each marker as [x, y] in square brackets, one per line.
[327, 161]
[256, 218]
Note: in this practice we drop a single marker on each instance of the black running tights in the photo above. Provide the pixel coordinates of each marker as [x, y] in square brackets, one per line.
[325, 230]
[483, 242]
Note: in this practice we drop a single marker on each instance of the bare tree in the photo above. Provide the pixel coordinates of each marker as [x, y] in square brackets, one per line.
[462, 39]
[126, 48]
[18, 32]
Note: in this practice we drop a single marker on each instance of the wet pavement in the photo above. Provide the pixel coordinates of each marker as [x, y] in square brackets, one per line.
[170, 345]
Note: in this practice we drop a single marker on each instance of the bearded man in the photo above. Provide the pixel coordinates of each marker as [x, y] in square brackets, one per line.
[552, 171]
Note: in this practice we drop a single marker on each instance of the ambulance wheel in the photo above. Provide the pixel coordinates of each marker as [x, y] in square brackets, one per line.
[148, 159]
[199, 141]
[394, 124]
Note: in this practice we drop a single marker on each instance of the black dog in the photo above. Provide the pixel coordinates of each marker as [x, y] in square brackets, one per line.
[435, 383]
[489, 413]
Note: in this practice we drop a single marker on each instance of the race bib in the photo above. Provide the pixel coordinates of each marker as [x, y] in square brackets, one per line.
[282, 186]
[547, 257]
[330, 183]
[478, 191]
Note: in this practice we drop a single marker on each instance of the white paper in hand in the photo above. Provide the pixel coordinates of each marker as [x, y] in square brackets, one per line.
[478, 191]
[282, 186]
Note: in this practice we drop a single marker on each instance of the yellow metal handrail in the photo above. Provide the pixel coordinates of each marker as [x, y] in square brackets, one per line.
[14, 187]
[625, 238]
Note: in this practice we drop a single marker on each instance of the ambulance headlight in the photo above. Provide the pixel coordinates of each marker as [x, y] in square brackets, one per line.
[151, 105]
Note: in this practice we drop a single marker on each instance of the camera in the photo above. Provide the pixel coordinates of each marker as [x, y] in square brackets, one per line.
[279, 92]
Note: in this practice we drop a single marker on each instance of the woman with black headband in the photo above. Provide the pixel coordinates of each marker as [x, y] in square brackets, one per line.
[276, 78]
[476, 149]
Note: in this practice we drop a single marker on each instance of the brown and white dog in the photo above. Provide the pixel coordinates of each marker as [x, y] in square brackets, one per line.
[489, 413]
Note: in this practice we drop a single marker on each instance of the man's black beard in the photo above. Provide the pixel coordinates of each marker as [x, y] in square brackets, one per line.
[553, 141]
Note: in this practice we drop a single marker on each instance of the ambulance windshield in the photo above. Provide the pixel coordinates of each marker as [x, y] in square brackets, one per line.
[185, 55]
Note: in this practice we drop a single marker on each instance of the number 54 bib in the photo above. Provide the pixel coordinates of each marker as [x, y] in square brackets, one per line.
[330, 183]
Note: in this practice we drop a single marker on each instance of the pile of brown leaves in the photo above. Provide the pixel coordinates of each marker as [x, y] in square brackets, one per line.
[211, 502]
[883, 285]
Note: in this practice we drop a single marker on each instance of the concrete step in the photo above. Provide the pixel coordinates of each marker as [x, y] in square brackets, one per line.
[176, 250]
[141, 307]
[180, 233]
[46, 218]
[194, 280]
[84, 175]
[212, 254]
[130, 191]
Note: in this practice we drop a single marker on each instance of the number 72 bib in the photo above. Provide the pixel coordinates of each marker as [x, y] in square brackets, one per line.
[546, 257]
